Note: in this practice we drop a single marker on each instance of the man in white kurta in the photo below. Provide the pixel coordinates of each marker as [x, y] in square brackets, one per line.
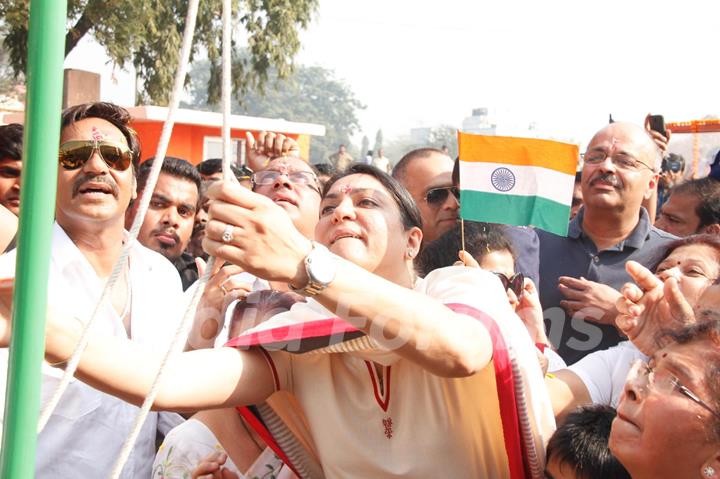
[96, 181]
[85, 433]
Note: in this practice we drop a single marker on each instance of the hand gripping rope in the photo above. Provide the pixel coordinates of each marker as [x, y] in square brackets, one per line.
[182, 331]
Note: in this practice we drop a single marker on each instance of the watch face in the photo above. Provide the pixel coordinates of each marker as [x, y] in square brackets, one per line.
[321, 266]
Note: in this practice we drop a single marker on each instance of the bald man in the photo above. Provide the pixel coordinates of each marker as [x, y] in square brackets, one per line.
[580, 274]
[427, 174]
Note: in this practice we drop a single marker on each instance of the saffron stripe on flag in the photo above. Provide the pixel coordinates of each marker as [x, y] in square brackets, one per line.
[515, 210]
[562, 157]
[526, 180]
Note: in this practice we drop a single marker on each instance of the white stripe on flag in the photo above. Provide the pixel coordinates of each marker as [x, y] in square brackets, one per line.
[518, 180]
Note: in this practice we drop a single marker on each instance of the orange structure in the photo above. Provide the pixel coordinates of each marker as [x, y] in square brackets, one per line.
[695, 127]
[196, 134]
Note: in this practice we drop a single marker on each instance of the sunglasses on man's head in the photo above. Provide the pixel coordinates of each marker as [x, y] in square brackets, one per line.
[74, 154]
[516, 283]
[438, 196]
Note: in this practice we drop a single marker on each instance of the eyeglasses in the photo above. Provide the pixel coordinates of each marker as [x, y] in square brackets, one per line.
[303, 178]
[438, 196]
[74, 154]
[621, 160]
[665, 382]
[9, 172]
[515, 283]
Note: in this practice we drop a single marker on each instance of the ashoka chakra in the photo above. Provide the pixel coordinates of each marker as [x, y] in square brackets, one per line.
[503, 179]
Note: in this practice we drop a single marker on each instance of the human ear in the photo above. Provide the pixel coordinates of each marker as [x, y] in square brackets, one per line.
[652, 186]
[134, 194]
[414, 239]
[711, 468]
[713, 229]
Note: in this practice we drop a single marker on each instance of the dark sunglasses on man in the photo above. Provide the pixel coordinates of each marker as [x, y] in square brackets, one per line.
[438, 196]
[515, 283]
[74, 154]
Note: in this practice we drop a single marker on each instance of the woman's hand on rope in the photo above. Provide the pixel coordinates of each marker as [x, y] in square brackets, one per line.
[649, 307]
[251, 231]
[211, 467]
[268, 145]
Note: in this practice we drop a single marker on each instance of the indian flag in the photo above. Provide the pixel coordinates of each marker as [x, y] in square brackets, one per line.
[516, 181]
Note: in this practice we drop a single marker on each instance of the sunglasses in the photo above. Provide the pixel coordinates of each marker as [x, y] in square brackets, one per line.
[438, 196]
[515, 283]
[74, 154]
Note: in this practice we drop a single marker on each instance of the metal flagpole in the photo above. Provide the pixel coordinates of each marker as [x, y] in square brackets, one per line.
[46, 52]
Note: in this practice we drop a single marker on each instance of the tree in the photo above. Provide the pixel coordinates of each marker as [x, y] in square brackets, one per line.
[310, 94]
[11, 88]
[378, 142]
[148, 34]
[364, 147]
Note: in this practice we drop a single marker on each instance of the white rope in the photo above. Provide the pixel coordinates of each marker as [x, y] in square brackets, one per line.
[139, 218]
[183, 330]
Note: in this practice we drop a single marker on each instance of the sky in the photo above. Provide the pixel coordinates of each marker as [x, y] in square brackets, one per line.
[562, 65]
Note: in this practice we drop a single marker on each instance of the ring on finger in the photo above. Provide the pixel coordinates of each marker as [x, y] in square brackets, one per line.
[227, 235]
[222, 287]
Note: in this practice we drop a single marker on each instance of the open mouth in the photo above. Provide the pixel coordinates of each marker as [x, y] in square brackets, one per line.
[280, 199]
[344, 236]
[96, 189]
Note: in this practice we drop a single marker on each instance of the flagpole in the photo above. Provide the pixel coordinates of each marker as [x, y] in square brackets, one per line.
[462, 234]
[46, 53]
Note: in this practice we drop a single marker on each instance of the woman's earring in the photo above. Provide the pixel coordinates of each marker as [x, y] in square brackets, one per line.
[708, 471]
[411, 253]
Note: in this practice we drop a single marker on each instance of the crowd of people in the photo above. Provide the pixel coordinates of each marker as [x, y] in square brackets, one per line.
[413, 344]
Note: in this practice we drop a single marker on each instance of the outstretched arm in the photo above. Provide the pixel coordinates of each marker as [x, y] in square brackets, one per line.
[196, 380]
[421, 329]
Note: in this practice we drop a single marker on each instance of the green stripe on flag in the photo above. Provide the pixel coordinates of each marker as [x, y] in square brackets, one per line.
[515, 210]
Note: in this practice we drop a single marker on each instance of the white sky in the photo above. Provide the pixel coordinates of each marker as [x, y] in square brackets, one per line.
[561, 64]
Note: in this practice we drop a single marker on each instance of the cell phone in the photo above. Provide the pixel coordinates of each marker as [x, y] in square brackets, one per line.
[657, 123]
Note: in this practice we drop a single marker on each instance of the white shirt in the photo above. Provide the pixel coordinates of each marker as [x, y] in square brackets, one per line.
[88, 428]
[604, 372]
[192, 441]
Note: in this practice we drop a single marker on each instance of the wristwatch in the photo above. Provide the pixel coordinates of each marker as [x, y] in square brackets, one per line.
[320, 266]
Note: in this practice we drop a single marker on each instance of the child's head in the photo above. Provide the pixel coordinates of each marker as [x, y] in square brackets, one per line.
[579, 447]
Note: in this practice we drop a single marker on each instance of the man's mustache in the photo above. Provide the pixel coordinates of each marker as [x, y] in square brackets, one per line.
[606, 178]
[81, 180]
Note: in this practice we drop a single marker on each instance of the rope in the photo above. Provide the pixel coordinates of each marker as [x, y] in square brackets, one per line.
[183, 330]
[139, 218]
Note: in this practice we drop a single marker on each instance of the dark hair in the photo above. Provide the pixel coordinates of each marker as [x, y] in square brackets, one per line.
[214, 165]
[711, 240]
[480, 239]
[581, 443]
[117, 115]
[325, 169]
[707, 329]
[456, 173]
[11, 141]
[707, 190]
[400, 170]
[409, 212]
[176, 167]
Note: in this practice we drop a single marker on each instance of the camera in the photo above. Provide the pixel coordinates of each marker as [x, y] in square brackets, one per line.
[673, 163]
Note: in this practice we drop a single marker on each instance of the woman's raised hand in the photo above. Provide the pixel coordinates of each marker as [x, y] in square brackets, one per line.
[649, 307]
[251, 231]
